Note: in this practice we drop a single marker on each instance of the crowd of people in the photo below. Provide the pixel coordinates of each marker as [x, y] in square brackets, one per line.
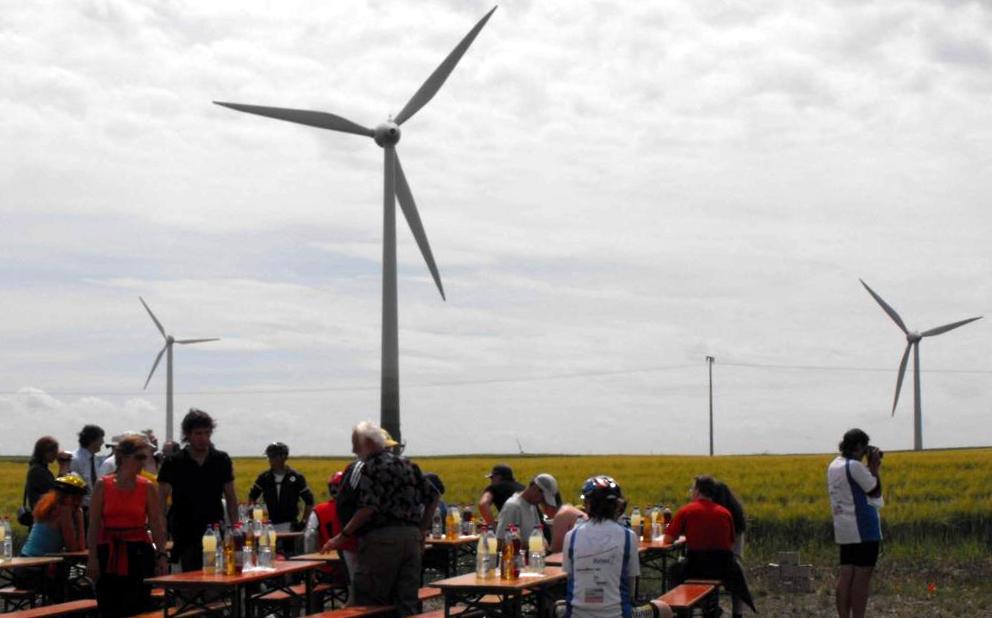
[381, 508]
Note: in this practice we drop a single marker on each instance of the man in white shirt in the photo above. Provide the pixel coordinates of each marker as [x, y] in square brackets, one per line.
[600, 557]
[86, 463]
[855, 497]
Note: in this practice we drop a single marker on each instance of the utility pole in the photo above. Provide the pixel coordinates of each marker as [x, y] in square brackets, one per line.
[709, 362]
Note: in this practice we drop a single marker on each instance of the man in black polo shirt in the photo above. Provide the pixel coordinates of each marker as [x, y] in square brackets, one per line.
[395, 508]
[501, 487]
[283, 488]
[196, 478]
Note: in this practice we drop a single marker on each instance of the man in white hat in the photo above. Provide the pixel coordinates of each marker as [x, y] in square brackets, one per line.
[523, 510]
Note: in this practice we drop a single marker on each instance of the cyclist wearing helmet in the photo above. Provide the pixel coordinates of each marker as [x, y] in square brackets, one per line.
[283, 488]
[58, 518]
[600, 557]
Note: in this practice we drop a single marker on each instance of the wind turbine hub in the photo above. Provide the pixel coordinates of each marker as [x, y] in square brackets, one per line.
[170, 339]
[913, 337]
[387, 134]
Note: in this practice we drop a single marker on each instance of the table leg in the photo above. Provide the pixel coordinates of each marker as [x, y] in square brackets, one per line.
[517, 605]
[308, 585]
[236, 610]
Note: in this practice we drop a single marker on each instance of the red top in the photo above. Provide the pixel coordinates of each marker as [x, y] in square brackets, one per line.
[705, 524]
[329, 525]
[124, 508]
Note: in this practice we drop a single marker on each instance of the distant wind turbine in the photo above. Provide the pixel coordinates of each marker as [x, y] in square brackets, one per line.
[386, 135]
[913, 341]
[167, 350]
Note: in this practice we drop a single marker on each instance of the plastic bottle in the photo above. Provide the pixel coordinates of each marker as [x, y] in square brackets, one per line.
[437, 526]
[238, 534]
[230, 562]
[635, 521]
[666, 515]
[248, 549]
[506, 557]
[468, 525]
[7, 552]
[493, 544]
[451, 524]
[535, 548]
[264, 547]
[271, 531]
[482, 561]
[209, 542]
[219, 552]
[258, 512]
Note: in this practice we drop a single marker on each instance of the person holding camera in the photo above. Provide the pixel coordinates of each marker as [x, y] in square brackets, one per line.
[855, 497]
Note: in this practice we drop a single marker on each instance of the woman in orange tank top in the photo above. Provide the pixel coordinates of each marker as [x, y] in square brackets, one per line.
[124, 507]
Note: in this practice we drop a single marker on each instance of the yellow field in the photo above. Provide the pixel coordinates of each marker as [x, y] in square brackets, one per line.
[935, 495]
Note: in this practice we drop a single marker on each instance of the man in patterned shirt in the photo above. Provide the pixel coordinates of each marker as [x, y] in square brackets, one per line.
[395, 509]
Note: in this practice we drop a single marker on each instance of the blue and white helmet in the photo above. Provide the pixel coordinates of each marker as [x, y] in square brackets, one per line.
[601, 487]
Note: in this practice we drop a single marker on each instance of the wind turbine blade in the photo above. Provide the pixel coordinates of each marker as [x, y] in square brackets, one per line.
[409, 208]
[185, 341]
[321, 120]
[889, 310]
[902, 374]
[943, 329]
[154, 366]
[440, 74]
[154, 319]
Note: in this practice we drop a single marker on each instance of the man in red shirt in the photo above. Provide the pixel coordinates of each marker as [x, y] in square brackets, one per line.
[709, 539]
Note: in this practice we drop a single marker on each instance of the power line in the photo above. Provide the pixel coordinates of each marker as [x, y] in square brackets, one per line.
[510, 380]
[331, 389]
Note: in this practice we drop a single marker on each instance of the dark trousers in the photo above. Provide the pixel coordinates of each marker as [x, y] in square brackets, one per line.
[188, 553]
[125, 595]
[388, 571]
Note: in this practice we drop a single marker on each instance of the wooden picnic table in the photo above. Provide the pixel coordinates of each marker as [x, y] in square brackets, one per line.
[201, 589]
[330, 557]
[452, 550]
[470, 590]
[7, 572]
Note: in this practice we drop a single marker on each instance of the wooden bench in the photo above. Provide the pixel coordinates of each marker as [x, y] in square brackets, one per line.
[358, 611]
[283, 603]
[685, 598]
[15, 598]
[83, 606]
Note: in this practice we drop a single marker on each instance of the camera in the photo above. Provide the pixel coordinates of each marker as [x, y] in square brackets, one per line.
[873, 450]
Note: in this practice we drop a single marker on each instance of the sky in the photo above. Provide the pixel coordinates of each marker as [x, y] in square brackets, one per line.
[612, 191]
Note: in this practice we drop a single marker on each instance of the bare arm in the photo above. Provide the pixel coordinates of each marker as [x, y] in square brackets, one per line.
[71, 526]
[156, 521]
[232, 501]
[486, 507]
[96, 523]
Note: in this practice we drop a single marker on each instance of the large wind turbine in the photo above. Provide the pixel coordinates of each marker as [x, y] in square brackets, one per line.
[167, 350]
[386, 135]
[913, 341]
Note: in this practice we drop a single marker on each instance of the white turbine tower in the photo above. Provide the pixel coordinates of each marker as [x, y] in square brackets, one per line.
[167, 350]
[386, 135]
[913, 341]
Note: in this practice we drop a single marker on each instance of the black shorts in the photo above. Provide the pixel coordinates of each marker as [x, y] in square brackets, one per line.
[860, 554]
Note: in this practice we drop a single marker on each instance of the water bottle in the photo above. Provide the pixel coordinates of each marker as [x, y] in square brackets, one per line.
[264, 549]
[493, 545]
[437, 528]
[8, 541]
[635, 521]
[535, 544]
[209, 542]
[238, 536]
[482, 561]
[230, 562]
[219, 554]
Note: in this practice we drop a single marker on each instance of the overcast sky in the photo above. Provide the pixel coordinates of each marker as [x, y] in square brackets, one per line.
[612, 191]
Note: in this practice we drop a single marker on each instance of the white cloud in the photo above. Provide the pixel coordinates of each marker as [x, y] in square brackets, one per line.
[605, 187]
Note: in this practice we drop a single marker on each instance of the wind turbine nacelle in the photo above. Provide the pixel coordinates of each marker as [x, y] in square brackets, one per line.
[913, 337]
[387, 134]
